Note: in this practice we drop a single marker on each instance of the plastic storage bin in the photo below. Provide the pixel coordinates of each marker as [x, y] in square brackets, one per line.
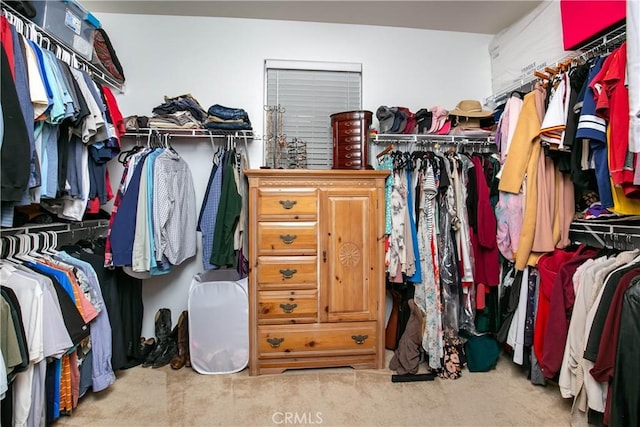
[69, 22]
[218, 324]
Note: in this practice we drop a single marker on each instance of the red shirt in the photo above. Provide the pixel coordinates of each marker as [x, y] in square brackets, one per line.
[613, 105]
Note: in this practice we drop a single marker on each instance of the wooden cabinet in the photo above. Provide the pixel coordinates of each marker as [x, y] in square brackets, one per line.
[316, 269]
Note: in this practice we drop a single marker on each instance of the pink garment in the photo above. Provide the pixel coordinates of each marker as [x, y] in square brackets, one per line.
[508, 127]
[509, 215]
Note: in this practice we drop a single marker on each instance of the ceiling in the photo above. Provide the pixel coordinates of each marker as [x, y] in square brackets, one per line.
[473, 16]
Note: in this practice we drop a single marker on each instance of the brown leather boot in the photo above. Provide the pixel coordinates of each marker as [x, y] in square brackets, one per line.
[181, 358]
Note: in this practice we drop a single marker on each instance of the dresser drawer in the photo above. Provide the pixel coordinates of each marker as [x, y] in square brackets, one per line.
[344, 154]
[327, 339]
[349, 164]
[287, 272]
[299, 306]
[287, 238]
[348, 132]
[287, 204]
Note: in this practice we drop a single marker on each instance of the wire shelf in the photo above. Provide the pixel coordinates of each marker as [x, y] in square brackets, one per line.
[48, 41]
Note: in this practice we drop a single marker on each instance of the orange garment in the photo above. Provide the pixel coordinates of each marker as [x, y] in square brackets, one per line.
[84, 306]
[525, 138]
[66, 400]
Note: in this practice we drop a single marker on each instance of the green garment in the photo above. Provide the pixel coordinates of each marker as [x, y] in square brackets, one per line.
[229, 208]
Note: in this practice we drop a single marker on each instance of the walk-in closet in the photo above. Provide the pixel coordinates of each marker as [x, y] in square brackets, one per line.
[320, 213]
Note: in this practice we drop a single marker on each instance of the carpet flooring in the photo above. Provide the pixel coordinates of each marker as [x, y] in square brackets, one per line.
[327, 397]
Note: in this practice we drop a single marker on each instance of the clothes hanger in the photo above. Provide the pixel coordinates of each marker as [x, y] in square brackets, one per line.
[385, 151]
[12, 249]
[24, 247]
[53, 243]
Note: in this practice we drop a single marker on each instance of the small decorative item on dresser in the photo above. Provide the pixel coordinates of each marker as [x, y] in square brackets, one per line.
[350, 130]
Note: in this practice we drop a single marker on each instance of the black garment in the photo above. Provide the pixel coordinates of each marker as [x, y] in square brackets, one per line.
[132, 310]
[49, 391]
[68, 79]
[82, 109]
[625, 402]
[73, 321]
[593, 344]
[184, 104]
[16, 315]
[15, 155]
[531, 305]
[111, 295]
[98, 158]
[472, 199]
[6, 407]
[63, 156]
[512, 304]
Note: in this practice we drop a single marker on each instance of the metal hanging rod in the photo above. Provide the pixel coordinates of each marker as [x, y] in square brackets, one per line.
[426, 138]
[66, 233]
[623, 234]
[47, 41]
[611, 39]
[192, 133]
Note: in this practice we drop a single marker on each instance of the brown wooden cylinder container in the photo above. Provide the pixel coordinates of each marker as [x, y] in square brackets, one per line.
[350, 130]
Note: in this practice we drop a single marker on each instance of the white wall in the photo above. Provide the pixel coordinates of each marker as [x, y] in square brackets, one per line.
[220, 61]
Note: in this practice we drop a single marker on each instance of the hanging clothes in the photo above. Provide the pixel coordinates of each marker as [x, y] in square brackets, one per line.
[51, 114]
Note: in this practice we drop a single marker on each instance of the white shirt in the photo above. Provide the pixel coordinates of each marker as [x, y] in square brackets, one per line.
[174, 208]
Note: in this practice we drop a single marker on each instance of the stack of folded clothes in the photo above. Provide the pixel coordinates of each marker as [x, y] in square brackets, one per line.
[433, 121]
[225, 118]
[183, 111]
[425, 121]
[396, 120]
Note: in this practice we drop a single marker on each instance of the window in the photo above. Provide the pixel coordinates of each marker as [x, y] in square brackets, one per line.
[306, 93]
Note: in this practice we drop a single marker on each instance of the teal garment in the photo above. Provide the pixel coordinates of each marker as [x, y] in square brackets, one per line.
[164, 267]
[223, 253]
[58, 108]
[67, 100]
[386, 164]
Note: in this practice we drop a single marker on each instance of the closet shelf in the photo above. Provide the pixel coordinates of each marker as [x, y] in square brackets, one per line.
[191, 133]
[48, 41]
[66, 233]
[616, 233]
[427, 138]
[610, 40]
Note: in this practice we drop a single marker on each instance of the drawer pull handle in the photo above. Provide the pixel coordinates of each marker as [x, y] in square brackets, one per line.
[359, 339]
[288, 204]
[288, 238]
[288, 308]
[288, 273]
[275, 342]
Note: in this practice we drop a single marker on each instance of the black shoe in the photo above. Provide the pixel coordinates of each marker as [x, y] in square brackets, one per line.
[171, 349]
[146, 347]
[163, 330]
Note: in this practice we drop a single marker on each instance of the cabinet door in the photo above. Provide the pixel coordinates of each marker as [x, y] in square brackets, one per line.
[348, 249]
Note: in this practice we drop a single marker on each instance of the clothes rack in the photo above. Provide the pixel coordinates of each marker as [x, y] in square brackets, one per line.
[65, 233]
[215, 137]
[476, 143]
[621, 234]
[47, 41]
[608, 41]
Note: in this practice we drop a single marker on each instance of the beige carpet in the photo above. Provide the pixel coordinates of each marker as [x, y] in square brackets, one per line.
[327, 397]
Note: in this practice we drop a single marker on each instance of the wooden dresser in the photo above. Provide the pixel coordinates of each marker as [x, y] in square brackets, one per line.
[316, 269]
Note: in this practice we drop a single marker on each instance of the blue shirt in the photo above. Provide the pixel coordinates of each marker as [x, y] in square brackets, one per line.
[209, 213]
[123, 228]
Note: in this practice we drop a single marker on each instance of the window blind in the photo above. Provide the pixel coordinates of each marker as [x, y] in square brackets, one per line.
[309, 97]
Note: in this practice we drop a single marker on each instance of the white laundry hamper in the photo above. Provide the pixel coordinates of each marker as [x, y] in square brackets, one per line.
[218, 324]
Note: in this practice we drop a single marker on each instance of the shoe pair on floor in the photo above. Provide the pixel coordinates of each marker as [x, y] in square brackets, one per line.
[170, 345]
